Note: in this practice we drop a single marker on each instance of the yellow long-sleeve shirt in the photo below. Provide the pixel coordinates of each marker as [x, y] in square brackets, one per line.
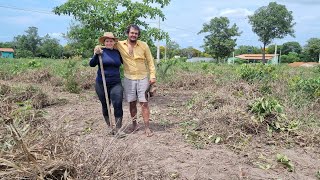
[138, 65]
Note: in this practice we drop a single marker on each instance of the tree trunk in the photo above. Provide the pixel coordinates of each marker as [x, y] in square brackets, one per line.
[264, 54]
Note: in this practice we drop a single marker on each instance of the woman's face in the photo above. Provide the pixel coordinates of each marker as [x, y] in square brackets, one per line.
[109, 43]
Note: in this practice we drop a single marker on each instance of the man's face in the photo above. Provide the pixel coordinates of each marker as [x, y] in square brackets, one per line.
[133, 35]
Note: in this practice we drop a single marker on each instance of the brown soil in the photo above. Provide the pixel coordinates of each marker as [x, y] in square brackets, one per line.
[303, 64]
[166, 155]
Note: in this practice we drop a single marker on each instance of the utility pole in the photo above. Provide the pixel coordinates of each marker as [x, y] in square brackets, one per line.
[280, 57]
[233, 57]
[319, 57]
[165, 52]
[275, 52]
[158, 49]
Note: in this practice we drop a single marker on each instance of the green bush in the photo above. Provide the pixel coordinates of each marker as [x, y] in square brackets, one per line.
[268, 110]
[23, 53]
[250, 72]
[69, 74]
[309, 87]
[239, 61]
[290, 58]
[33, 64]
[163, 67]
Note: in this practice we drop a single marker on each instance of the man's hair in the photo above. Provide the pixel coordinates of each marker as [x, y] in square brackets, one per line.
[134, 27]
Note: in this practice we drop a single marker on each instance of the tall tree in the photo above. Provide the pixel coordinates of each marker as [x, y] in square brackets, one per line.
[270, 22]
[291, 47]
[247, 50]
[219, 41]
[50, 47]
[98, 16]
[81, 40]
[313, 49]
[173, 48]
[6, 45]
[28, 42]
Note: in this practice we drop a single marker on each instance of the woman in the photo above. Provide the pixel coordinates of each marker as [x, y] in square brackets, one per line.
[112, 61]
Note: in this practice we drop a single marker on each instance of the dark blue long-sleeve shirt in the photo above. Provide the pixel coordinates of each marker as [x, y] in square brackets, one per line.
[111, 60]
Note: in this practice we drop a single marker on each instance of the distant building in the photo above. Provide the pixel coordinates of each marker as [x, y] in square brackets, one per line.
[6, 52]
[200, 59]
[253, 58]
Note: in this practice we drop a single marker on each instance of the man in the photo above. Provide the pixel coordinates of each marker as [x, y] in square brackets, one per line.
[138, 65]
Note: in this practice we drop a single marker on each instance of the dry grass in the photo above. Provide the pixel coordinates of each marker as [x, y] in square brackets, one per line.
[20, 94]
[222, 110]
[189, 81]
[31, 149]
[34, 76]
[86, 79]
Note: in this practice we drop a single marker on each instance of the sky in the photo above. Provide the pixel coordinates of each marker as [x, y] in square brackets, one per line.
[184, 19]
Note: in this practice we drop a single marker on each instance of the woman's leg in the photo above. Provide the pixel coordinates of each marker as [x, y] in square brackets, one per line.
[116, 95]
[100, 92]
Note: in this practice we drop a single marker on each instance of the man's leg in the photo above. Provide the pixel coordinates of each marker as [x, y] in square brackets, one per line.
[146, 117]
[133, 113]
[143, 85]
[130, 89]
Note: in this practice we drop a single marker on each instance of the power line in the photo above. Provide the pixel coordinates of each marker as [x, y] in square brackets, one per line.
[27, 10]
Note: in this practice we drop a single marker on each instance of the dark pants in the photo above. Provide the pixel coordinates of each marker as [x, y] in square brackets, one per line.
[115, 95]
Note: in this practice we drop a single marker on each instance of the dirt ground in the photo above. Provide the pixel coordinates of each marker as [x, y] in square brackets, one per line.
[166, 155]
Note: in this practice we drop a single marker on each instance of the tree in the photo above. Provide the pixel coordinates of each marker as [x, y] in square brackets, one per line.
[291, 47]
[50, 47]
[173, 49]
[96, 17]
[272, 48]
[247, 50]
[313, 49]
[270, 22]
[290, 58]
[80, 40]
[28, 42]
[6, 45]
[219, 41]
[162, 52]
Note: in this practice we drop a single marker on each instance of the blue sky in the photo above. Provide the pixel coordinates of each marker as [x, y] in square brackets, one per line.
[184, 19]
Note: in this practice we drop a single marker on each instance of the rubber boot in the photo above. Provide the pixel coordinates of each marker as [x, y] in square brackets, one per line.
[106, 118]
[119, 132]
[118, 122]
[111, 131]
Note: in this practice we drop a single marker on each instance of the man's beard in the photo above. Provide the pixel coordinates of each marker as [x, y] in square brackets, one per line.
[133, 41]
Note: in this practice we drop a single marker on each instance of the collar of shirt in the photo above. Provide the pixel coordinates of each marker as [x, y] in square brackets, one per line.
[137, 44]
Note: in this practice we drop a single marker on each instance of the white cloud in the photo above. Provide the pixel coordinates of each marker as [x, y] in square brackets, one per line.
[238, 12]
[231, 13]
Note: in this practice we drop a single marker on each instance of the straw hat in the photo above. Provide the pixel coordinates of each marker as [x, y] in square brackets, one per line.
[107, 35]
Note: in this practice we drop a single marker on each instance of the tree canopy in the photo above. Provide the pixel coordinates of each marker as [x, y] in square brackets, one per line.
[219, 41]
[97, 16]
[291, 47]
[247, 50]
[270, 22]
[32, 45]
[313, 49]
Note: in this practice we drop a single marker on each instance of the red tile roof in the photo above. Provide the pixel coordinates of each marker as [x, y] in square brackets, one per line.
[6, 50]
[255, 56]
